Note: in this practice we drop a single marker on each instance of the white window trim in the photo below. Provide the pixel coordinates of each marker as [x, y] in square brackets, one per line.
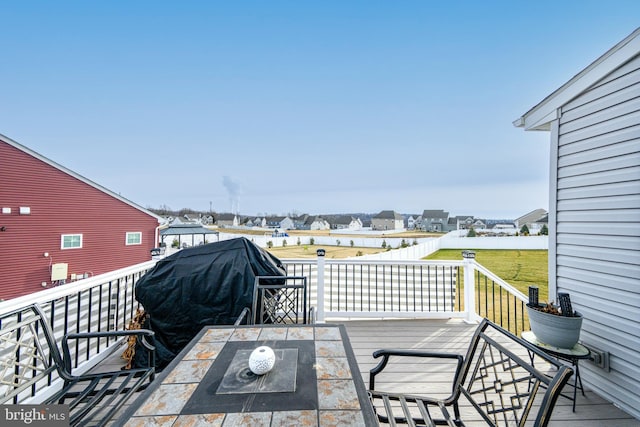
[126, 238]
[71, 234]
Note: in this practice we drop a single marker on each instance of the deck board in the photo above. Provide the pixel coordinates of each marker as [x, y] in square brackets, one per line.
[366, 336]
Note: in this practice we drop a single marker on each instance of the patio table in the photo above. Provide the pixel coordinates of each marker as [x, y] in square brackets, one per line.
[315, 381]
[572, 355]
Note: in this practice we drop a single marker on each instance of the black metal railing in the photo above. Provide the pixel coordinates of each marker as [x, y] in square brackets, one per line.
[101, 303]
[337, 289]
[499, 302]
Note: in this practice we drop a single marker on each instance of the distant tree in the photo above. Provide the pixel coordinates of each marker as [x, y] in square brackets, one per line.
[524, 230]
[384, 244]
[312, 241]
[472, 232]
[162, 210]
[284, 243]
[415, 242]
[298, 242]
[185, 211]
[404, 244]
[269, 244]
[337, 242]
[544, 231]
[351, 243]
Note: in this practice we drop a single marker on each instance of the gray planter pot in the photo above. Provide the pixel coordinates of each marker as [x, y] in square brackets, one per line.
[558, 331]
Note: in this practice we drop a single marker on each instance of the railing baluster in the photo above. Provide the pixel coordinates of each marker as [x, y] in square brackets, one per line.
[356, 287]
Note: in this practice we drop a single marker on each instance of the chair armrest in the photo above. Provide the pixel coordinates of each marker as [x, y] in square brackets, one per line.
[387, 353]
[244, 316]
[142, 333]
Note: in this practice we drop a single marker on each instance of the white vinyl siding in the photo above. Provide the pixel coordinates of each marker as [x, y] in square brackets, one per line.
[71, 241]
[597, 222]
[133, 238]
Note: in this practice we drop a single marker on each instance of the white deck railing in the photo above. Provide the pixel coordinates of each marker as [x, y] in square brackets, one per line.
[349, 288]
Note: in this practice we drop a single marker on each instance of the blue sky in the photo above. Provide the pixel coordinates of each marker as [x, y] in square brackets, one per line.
[299, 107]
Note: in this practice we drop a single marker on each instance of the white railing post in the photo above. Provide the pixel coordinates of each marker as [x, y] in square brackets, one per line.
[469, 291]
[320, 290]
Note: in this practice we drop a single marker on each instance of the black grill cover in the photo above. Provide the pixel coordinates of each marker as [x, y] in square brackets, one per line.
[204, 285]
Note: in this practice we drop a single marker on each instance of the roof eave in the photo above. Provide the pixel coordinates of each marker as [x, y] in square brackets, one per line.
[78, 176]
[541, 115]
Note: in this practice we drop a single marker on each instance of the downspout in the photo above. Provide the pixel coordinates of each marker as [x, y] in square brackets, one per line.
[157, 234]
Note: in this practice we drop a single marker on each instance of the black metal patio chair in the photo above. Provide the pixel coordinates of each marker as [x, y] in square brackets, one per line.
[279, 299]
[33, 369]
[494, 383]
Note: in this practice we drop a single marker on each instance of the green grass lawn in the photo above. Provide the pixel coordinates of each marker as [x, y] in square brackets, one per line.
[520, 269]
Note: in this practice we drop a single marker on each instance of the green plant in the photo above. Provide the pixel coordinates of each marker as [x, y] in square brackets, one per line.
[384, 244]
[284, 243]
[524, 230]
[312, 241]
[472, 232]
[351, 243]
[269, 244]
[175, 243]
[544, 231]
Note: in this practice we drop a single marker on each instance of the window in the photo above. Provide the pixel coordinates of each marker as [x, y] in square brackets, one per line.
[134, 238]
[71, 241]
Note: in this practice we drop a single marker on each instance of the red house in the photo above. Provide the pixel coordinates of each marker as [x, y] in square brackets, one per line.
[57, 226]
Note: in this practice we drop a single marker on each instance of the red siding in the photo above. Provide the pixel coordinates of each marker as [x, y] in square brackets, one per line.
[61, 204]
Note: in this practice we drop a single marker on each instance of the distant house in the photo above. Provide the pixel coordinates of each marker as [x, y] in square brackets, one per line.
[345, 222]
[540, 224]
[57, 226]
[287, 224]
[192, 219]
[206, 219]
[313, 223]
[273, 221]
[387, 220]
[594, 211]
[227, 220]
[256, 222]
[318, 223]
[435, 220]
[531, 220]
[463, 222]
[197, 219]
[412, 220]
[299, 221]
[280, 222]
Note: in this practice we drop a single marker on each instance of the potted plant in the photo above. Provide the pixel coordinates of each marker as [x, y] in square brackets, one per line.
[558, 326]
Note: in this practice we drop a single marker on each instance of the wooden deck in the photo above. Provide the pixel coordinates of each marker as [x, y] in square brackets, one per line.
[454, 336]
[366, 336]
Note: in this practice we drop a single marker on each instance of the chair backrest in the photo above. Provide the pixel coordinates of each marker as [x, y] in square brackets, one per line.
[29, 354]
[508, 383]
[280, 299]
